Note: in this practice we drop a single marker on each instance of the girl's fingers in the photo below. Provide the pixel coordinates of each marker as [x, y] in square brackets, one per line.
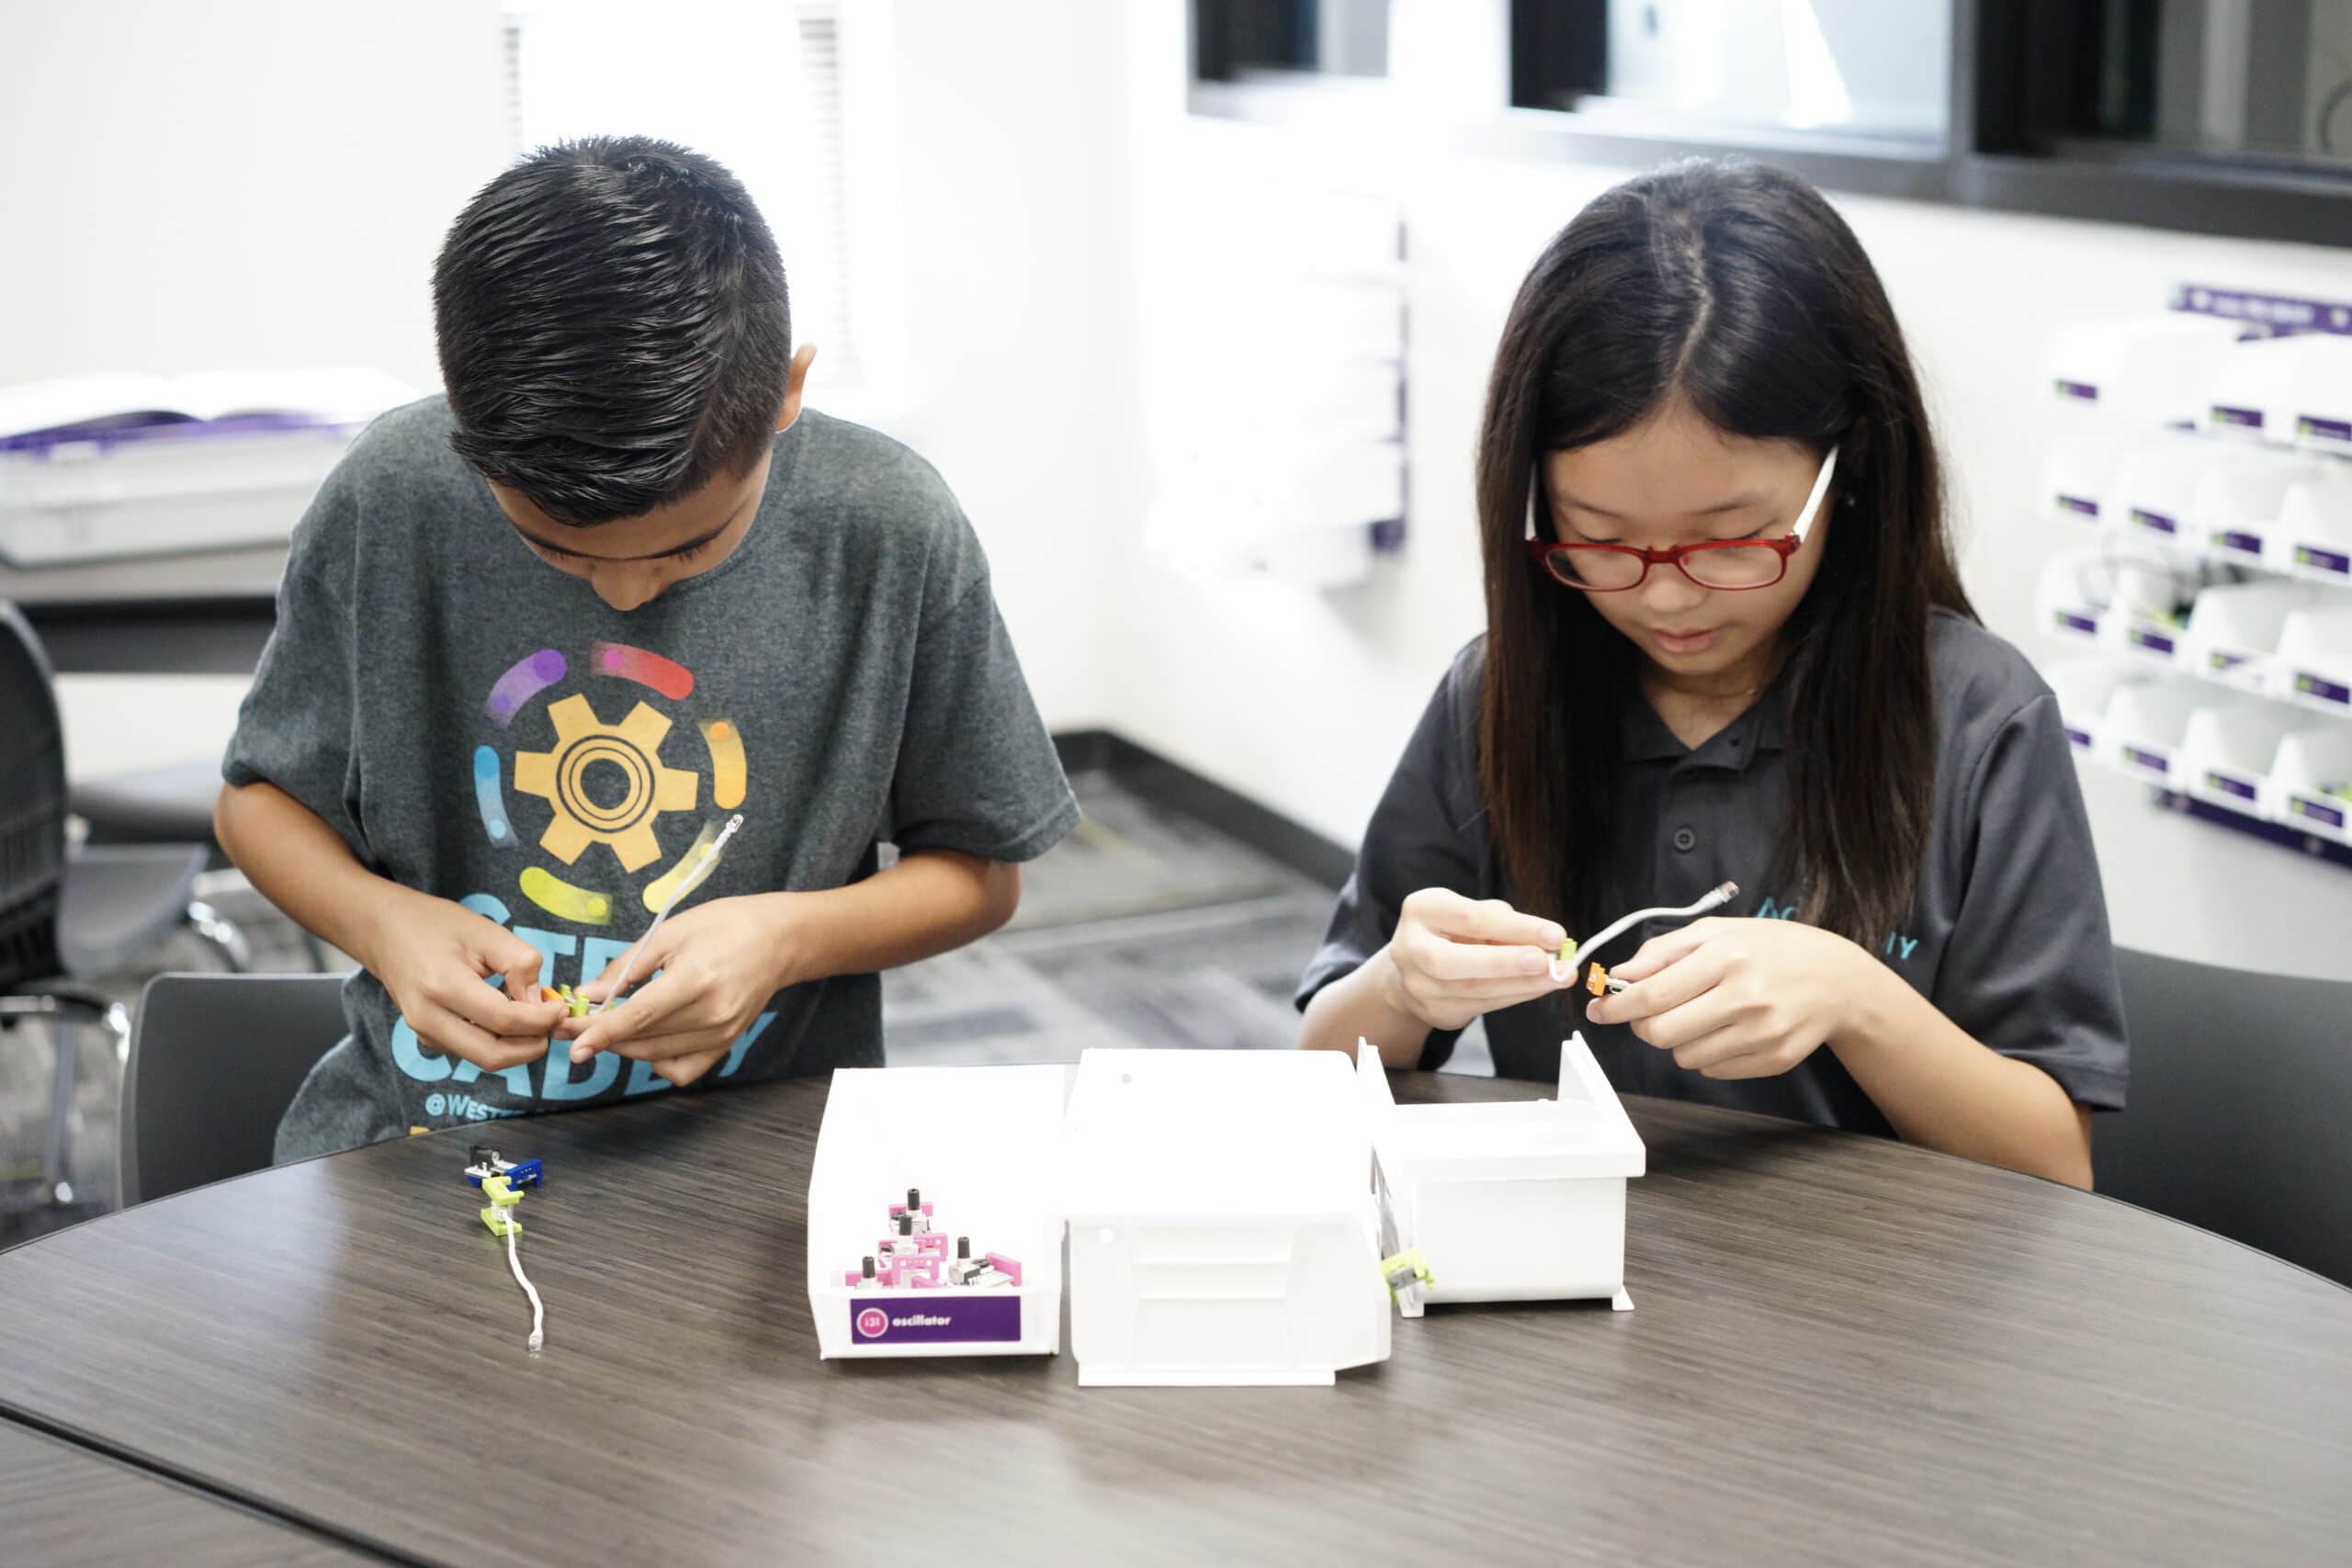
[1448, 914]
[1661, 950]
[1678, 984]
[1461, 963]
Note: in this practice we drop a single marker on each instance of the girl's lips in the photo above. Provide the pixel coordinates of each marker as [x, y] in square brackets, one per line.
[1687, 642]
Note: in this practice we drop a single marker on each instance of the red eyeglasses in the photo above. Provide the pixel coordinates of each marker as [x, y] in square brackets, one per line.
[1728, 565]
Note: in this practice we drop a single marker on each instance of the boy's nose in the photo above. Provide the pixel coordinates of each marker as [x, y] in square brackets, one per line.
[627, 587]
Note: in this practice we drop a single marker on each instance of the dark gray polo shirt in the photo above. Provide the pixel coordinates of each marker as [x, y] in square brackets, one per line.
[2008, 937]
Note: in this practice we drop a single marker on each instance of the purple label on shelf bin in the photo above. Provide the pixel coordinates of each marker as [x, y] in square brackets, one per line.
[2070, 622]
[2228, 785]
[953, 1320]
[2230, 539]
[2156, 520]
[2323, 429]
[2080, 738]
[2222, 663]
[2244, 418]
[2076, 503]
[2154, 642]
[2151, 760]
[2318, 811]
[2080, 389]
[2320, 558]
[2322, 688]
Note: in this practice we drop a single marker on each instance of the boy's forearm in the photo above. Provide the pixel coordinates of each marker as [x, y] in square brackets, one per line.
[301, 865]
[930, 902]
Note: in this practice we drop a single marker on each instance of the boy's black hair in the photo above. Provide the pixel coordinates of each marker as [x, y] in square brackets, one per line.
[613, 326]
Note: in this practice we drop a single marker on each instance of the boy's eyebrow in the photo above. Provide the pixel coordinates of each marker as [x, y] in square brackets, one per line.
[686, 549]
[1737, 503]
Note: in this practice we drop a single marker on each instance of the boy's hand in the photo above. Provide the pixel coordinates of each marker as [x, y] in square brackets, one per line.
[720, 963]
[432, 956]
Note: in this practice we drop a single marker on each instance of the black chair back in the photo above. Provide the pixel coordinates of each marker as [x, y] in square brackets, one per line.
[32, 806]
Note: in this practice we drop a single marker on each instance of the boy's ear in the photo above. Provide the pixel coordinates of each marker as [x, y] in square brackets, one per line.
[796, 381]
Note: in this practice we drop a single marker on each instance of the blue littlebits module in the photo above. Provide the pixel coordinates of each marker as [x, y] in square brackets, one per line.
[518, 1173]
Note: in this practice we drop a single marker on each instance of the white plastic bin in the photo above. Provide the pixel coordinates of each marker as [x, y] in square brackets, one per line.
[2234, 512]
[2311, 781]
[2078, 473]
[1510, 1200]
[2149, 610]
[2255, 388]
[2314, 662]
[2322, 394]
[981, 1145]
[2074, 593]
[2226, 754]
[2085, 688]
[1222, 1225]
[2234, 630]
[2314, 533]
[2156, 481]
[2147, 722]
[2150, 370]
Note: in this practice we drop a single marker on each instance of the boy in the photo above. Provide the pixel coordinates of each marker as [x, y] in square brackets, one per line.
[539, 638]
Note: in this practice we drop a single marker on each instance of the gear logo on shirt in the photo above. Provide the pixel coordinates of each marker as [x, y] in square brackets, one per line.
[606, 780]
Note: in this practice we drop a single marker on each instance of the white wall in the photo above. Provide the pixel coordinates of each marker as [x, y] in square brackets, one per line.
[1303, 700]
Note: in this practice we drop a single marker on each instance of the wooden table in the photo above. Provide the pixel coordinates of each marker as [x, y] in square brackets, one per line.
[1844, 1350]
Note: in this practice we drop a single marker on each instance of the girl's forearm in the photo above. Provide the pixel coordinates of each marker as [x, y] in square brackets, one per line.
[1362, 1005]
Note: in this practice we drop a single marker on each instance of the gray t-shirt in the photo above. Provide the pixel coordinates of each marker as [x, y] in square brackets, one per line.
[2008, 935]
[482, 727]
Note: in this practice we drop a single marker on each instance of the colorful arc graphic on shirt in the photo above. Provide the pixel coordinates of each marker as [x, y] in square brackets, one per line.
[605, 782]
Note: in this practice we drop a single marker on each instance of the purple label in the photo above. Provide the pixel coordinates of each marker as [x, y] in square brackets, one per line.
[2080, 738]
[2229, 540]
[2147, 759]
[2245, 419]
[2325, 429]
[2070, 622]
[2228, 785]
[2154, 642]
[2156, 520]
[2323, 560]
[2081, 390]
[2320, 687]
[2221, 662]
[2076, 503]
[951, 1320]
[2304, 806]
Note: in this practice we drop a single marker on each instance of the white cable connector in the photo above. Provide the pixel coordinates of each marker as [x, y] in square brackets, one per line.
[514, 1261]
[1565, 970]
[692, 880]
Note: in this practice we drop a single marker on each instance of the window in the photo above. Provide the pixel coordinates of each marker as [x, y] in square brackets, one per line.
[768, 102]
[1233, 39]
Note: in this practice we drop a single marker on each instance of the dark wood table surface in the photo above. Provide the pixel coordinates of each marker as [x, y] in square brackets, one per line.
[1844, 1349]
[64, 1506]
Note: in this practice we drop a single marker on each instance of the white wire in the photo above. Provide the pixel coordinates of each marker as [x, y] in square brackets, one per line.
[693, 879]
[514, 1261]
[1715, 899]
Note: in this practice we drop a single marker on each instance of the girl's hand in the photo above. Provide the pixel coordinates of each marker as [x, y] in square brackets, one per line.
[1453, 958]
[720, 963]
[1740, 998]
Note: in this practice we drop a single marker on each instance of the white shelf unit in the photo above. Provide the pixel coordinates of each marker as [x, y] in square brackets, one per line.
[2214, 580]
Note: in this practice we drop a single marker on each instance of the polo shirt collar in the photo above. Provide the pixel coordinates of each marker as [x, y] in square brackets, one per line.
[1643, 737]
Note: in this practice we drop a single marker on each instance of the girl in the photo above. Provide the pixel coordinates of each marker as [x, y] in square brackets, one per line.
[1703, 663]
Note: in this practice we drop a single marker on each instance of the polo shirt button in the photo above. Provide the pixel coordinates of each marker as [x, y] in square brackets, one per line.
[1684, 839]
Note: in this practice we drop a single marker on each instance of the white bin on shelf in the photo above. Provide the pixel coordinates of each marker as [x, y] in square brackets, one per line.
[2234, 630]
[2148, 610]
[2147, 722]
[2255, 389]
[2311, 781]
[2322, 394]
[2086, 689]
[2314, 662]
[1222, 1225]
[981, 1146]
[2074, 595]
[2077, 475]
[2226, 754]
[1510, 1200]
[2234, 512]
[2155, 483]
[2148, 370]
[2313, 540]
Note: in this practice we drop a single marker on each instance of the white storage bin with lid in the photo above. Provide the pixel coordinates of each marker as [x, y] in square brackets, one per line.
[2322, 394]
[2314, 662]
[2146, 723]
[2078, 473]
[2315, 535]
[2311, 781]
[1222, 1225]
[2150, 370]
[2234, 512]
[2234, 630]
[2226, 754]
[1509, 1201]
[2085, 688]
[2253, 391]
[2156, 481]
[981, 1146]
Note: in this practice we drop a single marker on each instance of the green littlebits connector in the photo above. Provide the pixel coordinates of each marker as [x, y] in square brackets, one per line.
[1406, 1268]
[1567, 949]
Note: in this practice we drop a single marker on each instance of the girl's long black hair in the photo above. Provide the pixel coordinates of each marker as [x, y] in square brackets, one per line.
[1736, 289]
